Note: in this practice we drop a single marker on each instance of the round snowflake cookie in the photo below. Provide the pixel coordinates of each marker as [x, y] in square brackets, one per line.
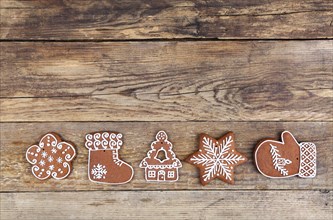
[52, 157]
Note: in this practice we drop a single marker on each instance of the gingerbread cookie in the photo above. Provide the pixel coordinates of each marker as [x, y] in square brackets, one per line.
[286, 158]
[52, 157]
[161, 163]
[216, 158]
[104, 164]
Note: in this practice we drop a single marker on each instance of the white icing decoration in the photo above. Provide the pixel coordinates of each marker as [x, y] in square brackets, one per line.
[99, 171]
[278, 162]
[34, 169]
[68, 157]
[217, 159]
[59, 160]
[97, 143]
[44, 154]
[161, 172]
[308, 160]
[107, 141]
[29, 151]
[50, 159]
[52, 144]
[42, 162]
[311, 148]
[113, 142]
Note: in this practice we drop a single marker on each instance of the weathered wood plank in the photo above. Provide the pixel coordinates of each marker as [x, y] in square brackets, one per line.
[167, 81]
[238, 19]
[16, 174]
[168, 205]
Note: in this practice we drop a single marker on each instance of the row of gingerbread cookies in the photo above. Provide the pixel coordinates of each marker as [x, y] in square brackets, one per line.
[216, 158]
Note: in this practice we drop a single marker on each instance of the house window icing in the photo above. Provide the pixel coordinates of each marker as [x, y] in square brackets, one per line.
[171, 174]
[151, 174]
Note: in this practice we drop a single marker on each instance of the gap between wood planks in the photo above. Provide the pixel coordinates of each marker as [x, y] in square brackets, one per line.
[323, 191]
[166, 39]
[115, 121]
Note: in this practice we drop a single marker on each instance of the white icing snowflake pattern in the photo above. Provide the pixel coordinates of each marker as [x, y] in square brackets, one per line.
[46, 157]
[44, 154]
[99, 171]
[50, 159]
[59, 160]
[216, 157]
[42, 163]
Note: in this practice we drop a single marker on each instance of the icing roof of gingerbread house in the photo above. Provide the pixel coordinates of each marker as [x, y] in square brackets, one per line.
[161, 143]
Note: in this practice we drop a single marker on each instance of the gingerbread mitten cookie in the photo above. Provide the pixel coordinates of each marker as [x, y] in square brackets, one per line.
[105, 166]
[162, 168]
[217, 158]
[52, 157]
[286, 158]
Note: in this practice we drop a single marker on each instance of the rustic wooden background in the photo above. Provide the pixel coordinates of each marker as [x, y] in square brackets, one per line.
[256, 67]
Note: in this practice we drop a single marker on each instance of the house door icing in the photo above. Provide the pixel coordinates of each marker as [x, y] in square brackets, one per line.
[161, 175]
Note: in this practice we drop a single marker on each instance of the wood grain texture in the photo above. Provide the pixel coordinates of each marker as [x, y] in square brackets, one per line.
[94, 77]
[131, 19]
[17, 137]
[167, 81]
[168, 205]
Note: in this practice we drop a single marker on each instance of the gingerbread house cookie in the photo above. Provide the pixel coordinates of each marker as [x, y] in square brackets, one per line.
[161, 168]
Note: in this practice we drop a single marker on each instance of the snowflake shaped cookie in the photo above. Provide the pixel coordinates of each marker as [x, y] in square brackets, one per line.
[216, 158]
[52, 157]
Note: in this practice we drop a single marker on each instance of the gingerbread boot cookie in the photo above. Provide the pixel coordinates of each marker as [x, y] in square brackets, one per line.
[105, 166]
[286, 158]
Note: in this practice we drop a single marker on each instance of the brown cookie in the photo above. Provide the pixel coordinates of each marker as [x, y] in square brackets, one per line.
[216, 158]
[104, 164]
[275, 159]
[52, 157]
[162, 168]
